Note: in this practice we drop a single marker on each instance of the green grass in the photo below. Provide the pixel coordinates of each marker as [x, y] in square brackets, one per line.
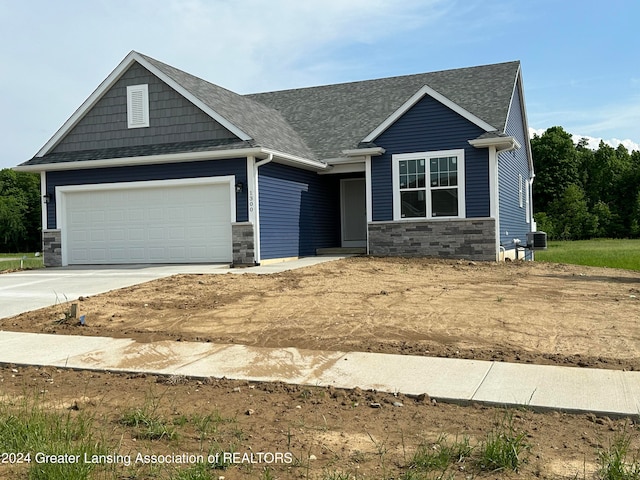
[596, 253]
[615, 462]
[8, 262]
[28, 427]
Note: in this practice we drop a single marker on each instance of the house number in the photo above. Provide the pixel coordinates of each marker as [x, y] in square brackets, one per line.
[251, 200]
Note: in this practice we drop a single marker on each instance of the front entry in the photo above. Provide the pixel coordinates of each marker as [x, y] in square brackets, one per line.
[354, 212]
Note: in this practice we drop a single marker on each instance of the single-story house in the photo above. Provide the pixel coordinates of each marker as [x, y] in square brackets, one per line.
[160, 166]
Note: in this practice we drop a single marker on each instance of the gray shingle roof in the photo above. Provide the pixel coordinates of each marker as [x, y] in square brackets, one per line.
[139, 151]
[264, 124]
[333, 118]
[318, 123]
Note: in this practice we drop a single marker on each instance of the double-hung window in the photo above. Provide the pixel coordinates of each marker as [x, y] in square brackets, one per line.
[429, 185]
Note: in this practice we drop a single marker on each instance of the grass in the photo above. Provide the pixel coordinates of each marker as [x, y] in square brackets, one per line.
[504, 447]
[596, 253]
[8, 262]
[29, 427]
[615, 463]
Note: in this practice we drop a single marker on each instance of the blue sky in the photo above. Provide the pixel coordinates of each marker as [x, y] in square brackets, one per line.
[579, 58]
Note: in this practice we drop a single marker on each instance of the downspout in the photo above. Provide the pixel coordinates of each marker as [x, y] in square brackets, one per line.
[256, 165]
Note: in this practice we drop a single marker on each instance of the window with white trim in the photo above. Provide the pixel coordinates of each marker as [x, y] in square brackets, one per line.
[527, 204]
[137, 106]
[520, 191]
[428, 185]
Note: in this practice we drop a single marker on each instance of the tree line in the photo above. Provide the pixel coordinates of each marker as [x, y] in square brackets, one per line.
[581, 193]
[20, 209]
[578, 193]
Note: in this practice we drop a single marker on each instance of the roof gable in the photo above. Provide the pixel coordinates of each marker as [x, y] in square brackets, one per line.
[426, 90]
[323, 122]
[334, 118]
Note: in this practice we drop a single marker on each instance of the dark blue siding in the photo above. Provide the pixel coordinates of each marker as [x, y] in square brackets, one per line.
[511, 164]
[162, 171]
[299, 211]
[431, 126]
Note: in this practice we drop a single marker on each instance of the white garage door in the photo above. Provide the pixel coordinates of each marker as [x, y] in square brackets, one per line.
[166, 223]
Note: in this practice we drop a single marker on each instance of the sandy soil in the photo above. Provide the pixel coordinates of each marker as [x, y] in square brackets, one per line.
[521, 312]
[532, 312]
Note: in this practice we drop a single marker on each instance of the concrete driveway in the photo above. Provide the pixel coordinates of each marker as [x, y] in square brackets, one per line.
[32, 289]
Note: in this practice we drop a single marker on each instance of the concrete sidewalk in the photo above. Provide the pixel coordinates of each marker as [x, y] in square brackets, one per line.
[32, 289]
[603, 392]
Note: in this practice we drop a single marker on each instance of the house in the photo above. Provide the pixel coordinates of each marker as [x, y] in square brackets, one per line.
[159, 166]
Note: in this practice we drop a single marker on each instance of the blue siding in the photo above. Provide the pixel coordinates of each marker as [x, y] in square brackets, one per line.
[299, 211]
[166, 171]
[431, 126]
[511, 164]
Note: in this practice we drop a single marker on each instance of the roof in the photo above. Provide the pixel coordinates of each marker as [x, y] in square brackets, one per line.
[334, 118]
[315, 123]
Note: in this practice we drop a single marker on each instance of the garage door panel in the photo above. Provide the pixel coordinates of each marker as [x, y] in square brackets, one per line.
[162, 224]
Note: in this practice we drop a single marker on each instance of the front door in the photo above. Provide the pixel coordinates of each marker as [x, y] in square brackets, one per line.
[354, 212]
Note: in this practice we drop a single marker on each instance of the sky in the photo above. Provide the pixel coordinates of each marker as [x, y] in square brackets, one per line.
[579, 57]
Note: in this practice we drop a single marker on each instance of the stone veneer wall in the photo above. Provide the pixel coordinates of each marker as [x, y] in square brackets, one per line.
[52, 248]
[471, 238]
[243, 244]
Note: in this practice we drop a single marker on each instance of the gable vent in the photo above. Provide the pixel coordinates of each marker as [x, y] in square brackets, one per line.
[138, 106]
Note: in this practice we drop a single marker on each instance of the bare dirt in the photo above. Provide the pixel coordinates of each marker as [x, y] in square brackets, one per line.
[520, 312]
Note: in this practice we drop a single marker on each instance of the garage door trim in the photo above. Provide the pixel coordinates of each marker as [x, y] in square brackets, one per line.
[61, 191]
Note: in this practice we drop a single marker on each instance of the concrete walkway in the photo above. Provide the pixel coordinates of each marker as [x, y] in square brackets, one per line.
[32, 289]
[603, 392]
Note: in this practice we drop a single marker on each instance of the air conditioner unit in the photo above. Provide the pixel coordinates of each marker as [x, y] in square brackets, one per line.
[537, 240]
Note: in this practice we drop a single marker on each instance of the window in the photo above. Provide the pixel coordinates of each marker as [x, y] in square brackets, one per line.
[137, 106]
[527, 204]
[429, 184]
[520, 191]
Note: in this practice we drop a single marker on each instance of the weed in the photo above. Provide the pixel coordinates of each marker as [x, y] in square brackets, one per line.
[27, 427]
[614, 464]
[149, 424]
[441, 454]
[197, 471]
[503, 448]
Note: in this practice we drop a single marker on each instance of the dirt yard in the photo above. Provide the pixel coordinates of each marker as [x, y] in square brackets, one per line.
[522, 312]
[517, 312]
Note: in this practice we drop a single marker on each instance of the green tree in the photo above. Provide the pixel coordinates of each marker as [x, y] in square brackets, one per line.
[20, 209]
[571, 217]
[557, 163]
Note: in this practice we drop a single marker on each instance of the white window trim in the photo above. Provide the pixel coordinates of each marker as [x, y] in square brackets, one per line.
[395, 172]
[144, 90]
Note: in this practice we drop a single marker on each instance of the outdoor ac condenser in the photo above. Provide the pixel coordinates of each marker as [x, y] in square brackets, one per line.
[537, 240]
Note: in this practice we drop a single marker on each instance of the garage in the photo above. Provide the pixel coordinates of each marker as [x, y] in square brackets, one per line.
[171, 221]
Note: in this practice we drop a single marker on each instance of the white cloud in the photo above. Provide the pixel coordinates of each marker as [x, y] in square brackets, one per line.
[593, 142]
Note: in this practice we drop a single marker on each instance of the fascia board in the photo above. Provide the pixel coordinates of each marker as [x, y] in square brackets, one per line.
[426, 90]
[143, 160]
[279, 157]
[509, 142]
[113, 77]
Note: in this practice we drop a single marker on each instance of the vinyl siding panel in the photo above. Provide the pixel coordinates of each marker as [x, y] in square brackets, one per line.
[172, 118]
[511, 164]
[168, 171]
[299, 211]
[430, 126]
